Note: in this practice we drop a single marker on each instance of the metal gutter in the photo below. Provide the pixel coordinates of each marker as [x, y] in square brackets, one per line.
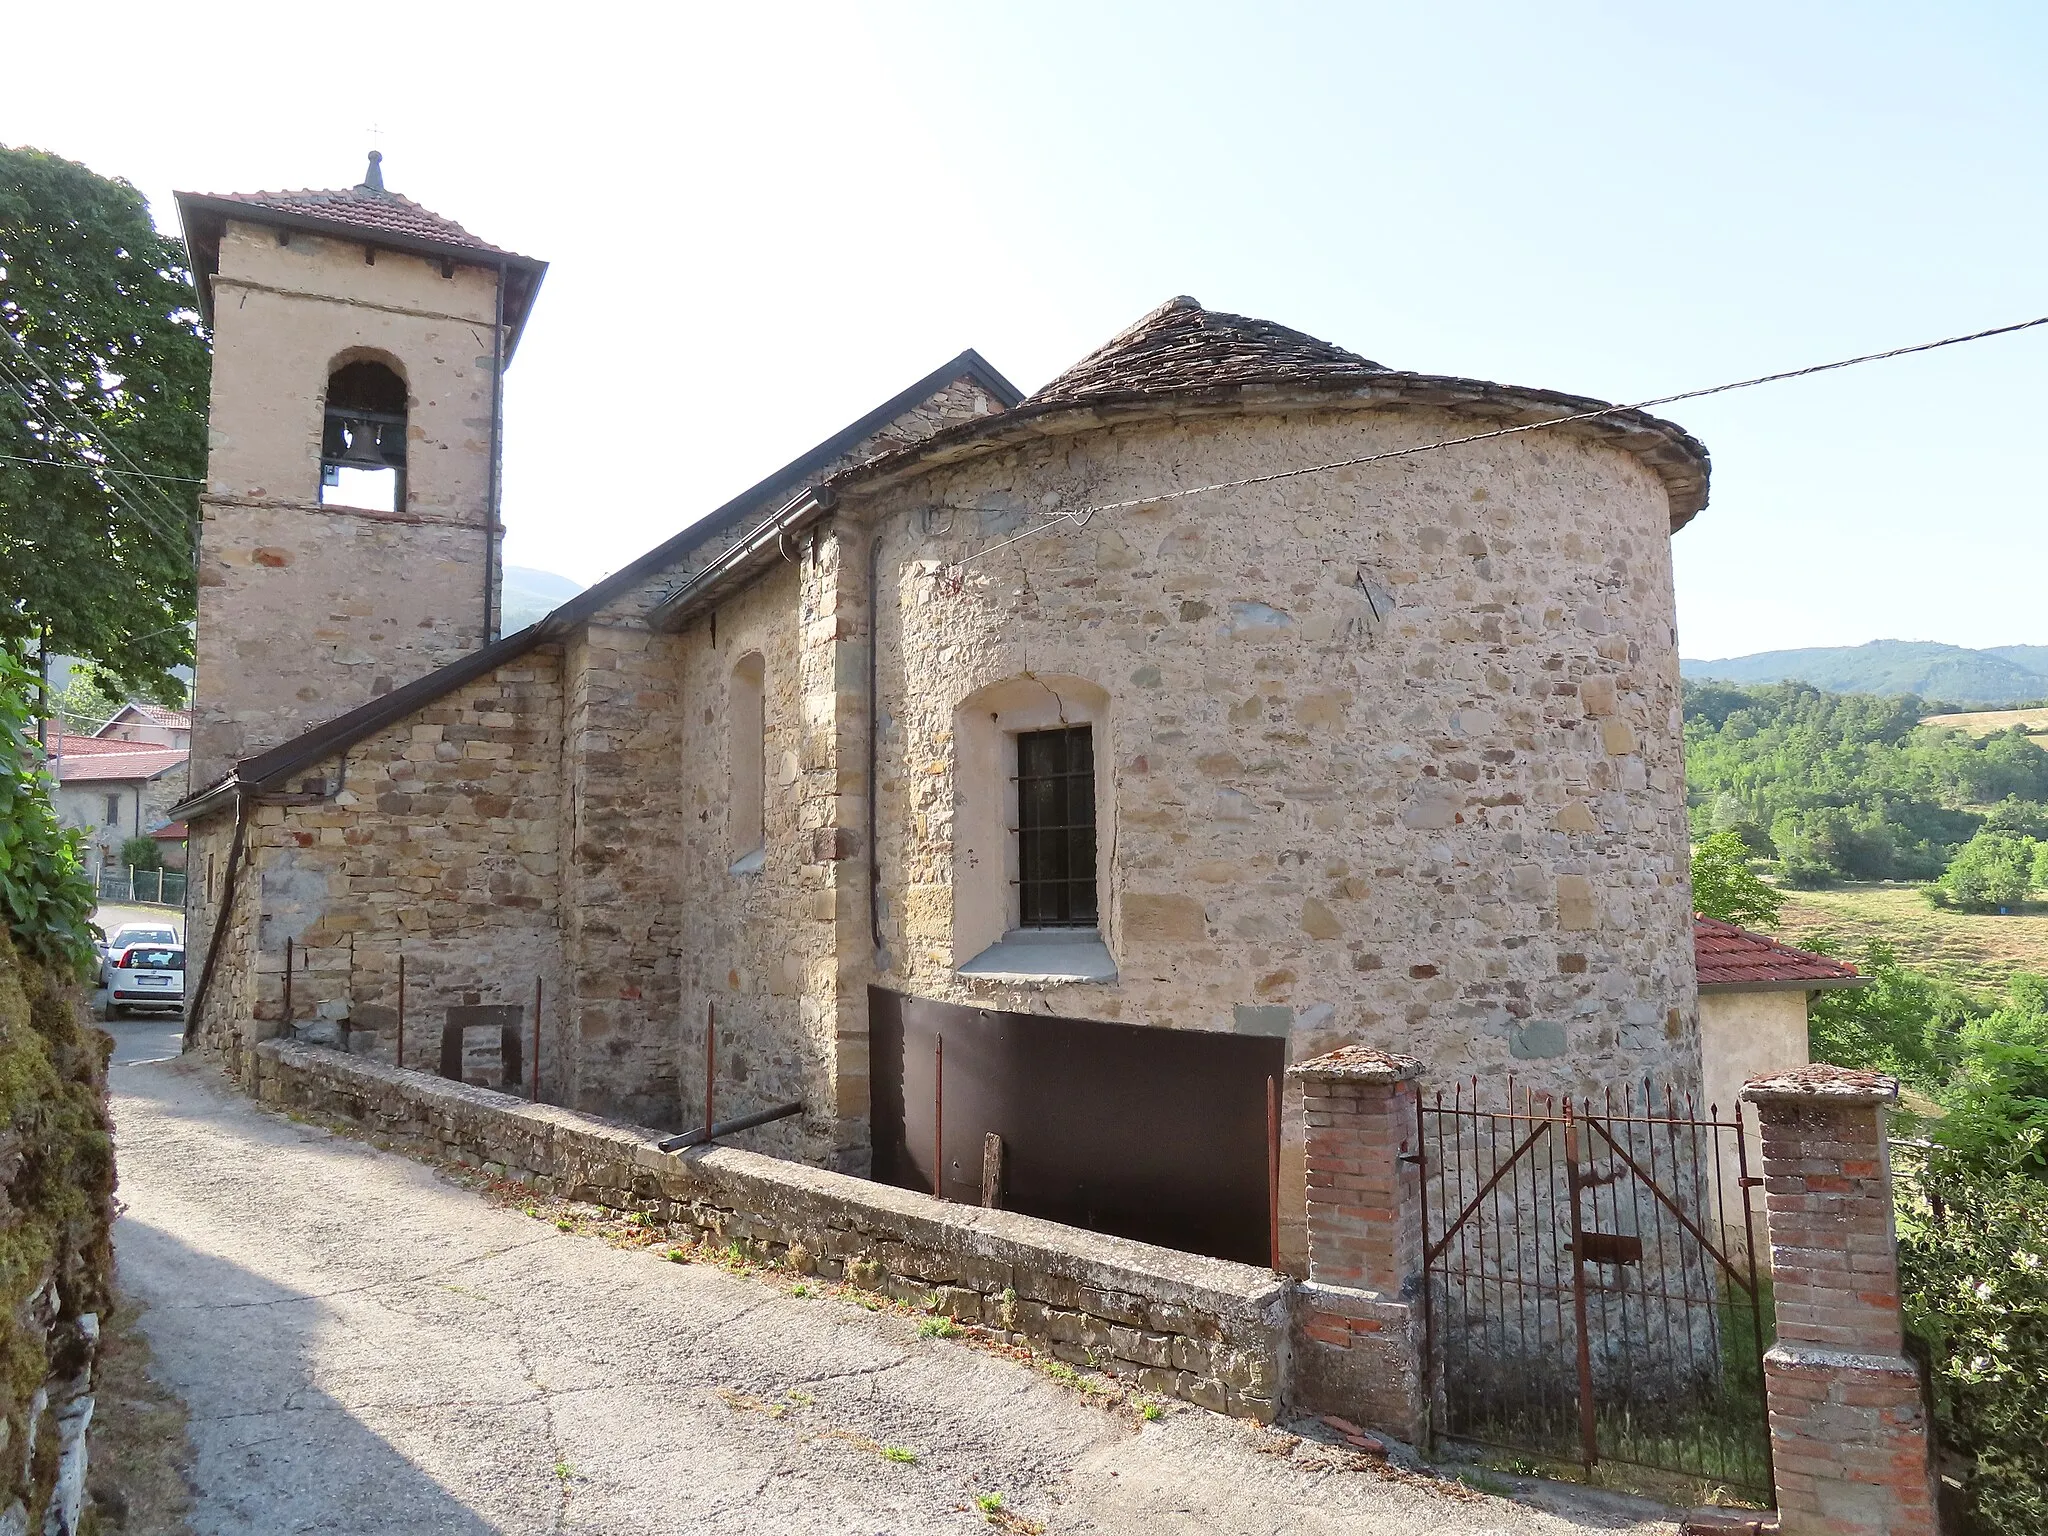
[756, 552]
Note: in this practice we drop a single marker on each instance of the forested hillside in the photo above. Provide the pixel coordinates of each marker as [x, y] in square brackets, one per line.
[1852, 786]
[2003, 675]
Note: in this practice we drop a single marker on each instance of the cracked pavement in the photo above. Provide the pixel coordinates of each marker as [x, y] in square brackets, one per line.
[367, 1347]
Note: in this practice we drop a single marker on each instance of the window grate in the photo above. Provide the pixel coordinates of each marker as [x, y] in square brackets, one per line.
[1056, 828]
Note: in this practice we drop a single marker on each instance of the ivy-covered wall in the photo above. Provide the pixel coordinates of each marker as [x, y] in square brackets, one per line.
[56, 1258]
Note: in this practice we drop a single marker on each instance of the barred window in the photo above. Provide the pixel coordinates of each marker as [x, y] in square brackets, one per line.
[1056, 828]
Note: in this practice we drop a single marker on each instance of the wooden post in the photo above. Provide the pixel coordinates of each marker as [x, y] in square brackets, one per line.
[992, 1172]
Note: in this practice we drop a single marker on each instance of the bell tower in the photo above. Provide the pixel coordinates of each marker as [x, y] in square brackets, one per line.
[350, 541]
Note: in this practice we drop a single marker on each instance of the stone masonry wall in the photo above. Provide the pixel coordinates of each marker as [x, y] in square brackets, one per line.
[1171, 1323]
[439, 843]
[306, 611]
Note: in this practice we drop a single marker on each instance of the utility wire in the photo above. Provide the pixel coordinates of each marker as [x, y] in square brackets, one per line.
[82, 425]
[104, 469]
[1081, 517]
[151, 517]
[113, 449]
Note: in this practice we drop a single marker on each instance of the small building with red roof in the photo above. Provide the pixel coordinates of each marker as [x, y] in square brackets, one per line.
[1754, 994]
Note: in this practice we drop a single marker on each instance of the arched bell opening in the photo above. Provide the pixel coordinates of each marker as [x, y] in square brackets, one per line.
[362, 438]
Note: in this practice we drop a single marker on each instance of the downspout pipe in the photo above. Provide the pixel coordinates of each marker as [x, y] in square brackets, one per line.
[874, 741]
[492, 499]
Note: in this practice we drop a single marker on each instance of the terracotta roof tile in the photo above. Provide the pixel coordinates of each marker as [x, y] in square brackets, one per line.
[1181, 345]
[1729, 956]
[366, 208]
[138, 762]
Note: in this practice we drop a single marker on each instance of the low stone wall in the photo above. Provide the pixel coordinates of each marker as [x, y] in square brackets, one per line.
[1211, 1332]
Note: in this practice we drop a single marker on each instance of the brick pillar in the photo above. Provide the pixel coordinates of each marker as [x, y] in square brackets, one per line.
[1357, 1331]
[1849, 1432]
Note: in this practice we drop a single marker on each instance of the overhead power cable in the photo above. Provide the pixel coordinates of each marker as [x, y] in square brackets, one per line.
[1081, 517]
[150, 515]
[103, 469]
[85, 427]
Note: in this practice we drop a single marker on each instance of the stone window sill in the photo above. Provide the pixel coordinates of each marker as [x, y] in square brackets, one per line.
[751, 864]
[1043, 955]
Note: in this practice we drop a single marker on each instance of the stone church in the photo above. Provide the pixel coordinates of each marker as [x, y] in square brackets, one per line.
[1088, 706]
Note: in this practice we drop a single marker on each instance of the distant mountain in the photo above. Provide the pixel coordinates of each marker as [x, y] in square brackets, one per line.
[2012, 674]
[530, 596]
[2032, 657]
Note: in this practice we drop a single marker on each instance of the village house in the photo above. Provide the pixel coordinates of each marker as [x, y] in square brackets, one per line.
[120, 781]
[1084, 730]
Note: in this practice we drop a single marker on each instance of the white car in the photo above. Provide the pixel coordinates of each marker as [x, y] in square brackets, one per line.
[134, 933]
[147, 976]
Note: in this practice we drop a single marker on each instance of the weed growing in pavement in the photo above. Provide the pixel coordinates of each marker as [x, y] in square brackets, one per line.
[678, 1255]
[799, 1398]
[938, 1328]
[799, 1289]
[988, 1503]
[898, 1453]
[1151, 1412]
[563, 1224]
[563, 1471]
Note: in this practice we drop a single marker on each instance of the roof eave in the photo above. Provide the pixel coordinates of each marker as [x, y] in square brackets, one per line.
[1678, 458]
[1785, 984]
[196, 207]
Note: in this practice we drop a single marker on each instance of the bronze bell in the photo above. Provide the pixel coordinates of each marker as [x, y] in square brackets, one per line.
[362, 451]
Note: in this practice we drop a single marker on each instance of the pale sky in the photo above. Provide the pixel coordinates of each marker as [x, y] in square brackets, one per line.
[764, 220]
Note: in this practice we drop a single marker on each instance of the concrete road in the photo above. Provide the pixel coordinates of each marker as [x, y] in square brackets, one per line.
[365, 1347]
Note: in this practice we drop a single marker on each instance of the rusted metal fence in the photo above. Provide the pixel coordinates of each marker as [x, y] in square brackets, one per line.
[1592, 1288]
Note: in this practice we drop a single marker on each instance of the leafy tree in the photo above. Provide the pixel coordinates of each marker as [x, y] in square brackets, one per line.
[103, 379]
[142, 853]
[1993, 871]
[1996, 1102]
[1973, 1272]
[1852, 786]
[45, 899]
[2041, 866]
[83, 705]
[1724, 886]
[1900, 1021]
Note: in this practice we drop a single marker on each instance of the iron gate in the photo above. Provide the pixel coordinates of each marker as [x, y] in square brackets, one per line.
[1592, 1291]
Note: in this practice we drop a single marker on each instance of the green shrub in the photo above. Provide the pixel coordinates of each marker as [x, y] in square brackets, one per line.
[1724, 886]
[1993, 870]
[45, 898]
[142, 853]
[1973, 1266]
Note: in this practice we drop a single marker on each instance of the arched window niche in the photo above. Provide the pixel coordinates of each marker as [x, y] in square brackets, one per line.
[1034, 808]
[362, 437]
[746, 724]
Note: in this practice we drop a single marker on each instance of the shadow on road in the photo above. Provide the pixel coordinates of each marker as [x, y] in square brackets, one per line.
[272, 1452]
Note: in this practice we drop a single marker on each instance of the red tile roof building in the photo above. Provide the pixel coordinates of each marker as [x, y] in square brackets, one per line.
[1729, 957]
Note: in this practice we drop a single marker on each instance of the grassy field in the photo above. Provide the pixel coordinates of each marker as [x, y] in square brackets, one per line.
[1978, 950]
[1990, 722]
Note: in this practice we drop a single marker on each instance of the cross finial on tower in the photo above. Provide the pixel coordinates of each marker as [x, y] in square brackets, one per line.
[373, 178]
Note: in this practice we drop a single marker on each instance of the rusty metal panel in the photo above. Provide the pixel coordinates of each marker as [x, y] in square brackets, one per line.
[1155, 1134]
[502, 1017]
